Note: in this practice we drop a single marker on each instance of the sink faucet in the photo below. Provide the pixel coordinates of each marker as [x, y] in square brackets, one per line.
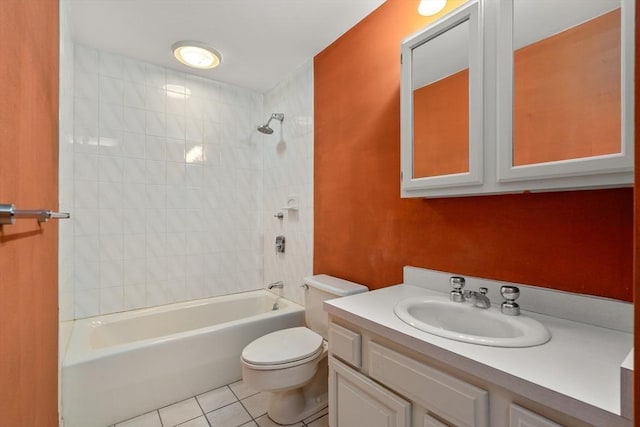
[279, 284]
[479, 299]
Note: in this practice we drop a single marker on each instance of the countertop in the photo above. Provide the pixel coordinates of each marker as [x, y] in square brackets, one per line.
[577, 372]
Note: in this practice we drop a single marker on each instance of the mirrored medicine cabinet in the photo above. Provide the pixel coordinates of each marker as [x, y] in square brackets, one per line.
[504, 96]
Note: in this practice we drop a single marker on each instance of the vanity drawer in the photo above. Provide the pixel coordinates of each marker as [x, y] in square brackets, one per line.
[345, 344]
[455, 401]
[520, 417]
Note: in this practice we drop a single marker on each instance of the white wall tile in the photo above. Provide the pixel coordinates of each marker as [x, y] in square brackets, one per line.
[110, 65]
[110, 142]
[134, 94]
[133, 145]
[175, 150]
[155, 76]
[134, 297]
[156, 173]
[133, 71]
[135, 271]
[111, 116]
[87, 85]
[111, 300]
[154, 150]
[87, 303]
[156, 123]
[156, 99]
[87, 60]
[133, 120]
[176, 103]
[111, 90]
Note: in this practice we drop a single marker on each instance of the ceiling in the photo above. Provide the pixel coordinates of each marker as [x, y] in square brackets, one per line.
[261, 41]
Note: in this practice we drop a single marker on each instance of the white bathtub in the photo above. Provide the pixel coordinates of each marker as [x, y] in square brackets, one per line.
[124, 364]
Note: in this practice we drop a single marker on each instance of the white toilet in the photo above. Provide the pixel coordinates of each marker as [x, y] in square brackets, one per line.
[292, 363]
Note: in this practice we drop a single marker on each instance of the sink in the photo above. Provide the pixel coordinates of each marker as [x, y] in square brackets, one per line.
[438, 315]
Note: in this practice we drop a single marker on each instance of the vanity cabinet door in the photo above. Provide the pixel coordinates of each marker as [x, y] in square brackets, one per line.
[355, 400]
[565, 86]
[454, 401]
[520, 417]
[429, 421]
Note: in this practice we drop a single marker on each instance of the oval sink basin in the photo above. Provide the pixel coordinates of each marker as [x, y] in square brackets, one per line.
[438, 315]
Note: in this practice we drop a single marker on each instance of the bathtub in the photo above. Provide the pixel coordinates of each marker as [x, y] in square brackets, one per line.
[121, 365]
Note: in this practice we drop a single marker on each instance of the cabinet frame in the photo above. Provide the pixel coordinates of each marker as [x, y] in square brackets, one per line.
[497, 174]
[616, 168]
[472, 13]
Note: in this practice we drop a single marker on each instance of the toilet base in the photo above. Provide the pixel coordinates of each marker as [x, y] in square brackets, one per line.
[292, 406]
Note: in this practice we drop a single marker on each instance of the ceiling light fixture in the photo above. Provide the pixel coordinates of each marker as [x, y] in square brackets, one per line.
[431, 7]
[196, 54]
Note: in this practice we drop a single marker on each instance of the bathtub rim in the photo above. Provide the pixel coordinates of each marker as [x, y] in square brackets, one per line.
[78, 350]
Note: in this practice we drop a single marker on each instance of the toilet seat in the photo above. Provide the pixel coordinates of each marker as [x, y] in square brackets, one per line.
[283, 349]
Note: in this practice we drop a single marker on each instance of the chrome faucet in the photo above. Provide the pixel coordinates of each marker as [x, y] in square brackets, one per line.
[279, 285]
[478, 298]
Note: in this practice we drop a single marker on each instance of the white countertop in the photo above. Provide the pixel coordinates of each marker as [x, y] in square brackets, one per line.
[577, 372]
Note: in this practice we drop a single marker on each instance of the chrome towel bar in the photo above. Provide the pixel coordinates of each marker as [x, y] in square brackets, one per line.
[9, 213]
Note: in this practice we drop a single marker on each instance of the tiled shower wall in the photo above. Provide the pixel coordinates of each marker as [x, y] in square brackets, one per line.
[65, 169]
[288, 174]
[167, 186]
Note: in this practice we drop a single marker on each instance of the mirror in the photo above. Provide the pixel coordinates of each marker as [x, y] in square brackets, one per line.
[440, 84]
[441, 103]
[567, 80]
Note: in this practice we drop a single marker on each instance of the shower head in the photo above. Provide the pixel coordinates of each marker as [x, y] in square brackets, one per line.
[265, 128]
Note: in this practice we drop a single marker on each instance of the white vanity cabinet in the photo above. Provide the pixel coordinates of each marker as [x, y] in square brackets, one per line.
[390, 385]
[393, 389]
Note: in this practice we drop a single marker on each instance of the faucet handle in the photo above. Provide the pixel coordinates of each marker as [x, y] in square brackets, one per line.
[509, 306]
[483, 290]
[457, 283]
[510, 293]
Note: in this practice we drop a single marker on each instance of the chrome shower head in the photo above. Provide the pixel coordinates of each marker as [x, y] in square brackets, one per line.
[265, 128]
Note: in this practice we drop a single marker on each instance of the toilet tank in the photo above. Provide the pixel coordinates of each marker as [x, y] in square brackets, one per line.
[320, 288]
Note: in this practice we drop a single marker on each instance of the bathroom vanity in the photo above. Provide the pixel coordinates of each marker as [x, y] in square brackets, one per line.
[384, 372]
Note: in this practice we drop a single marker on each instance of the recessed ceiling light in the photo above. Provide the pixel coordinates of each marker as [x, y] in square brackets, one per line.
[431, 7]
[196, 54]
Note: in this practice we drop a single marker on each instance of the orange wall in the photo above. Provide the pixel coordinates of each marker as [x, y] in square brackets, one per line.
[29, 178]
[577, 241]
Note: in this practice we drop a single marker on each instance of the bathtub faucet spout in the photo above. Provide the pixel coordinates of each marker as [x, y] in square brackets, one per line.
[279, 284]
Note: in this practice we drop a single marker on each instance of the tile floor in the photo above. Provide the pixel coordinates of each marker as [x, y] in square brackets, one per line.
[232, 405]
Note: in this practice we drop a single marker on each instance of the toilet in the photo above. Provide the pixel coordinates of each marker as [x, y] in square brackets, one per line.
[292, 363]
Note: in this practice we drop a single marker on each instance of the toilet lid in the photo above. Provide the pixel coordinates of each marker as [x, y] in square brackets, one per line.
[284, 346]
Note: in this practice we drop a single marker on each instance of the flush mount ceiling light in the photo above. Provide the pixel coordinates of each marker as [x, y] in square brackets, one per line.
[431, 7]
[196, 54]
